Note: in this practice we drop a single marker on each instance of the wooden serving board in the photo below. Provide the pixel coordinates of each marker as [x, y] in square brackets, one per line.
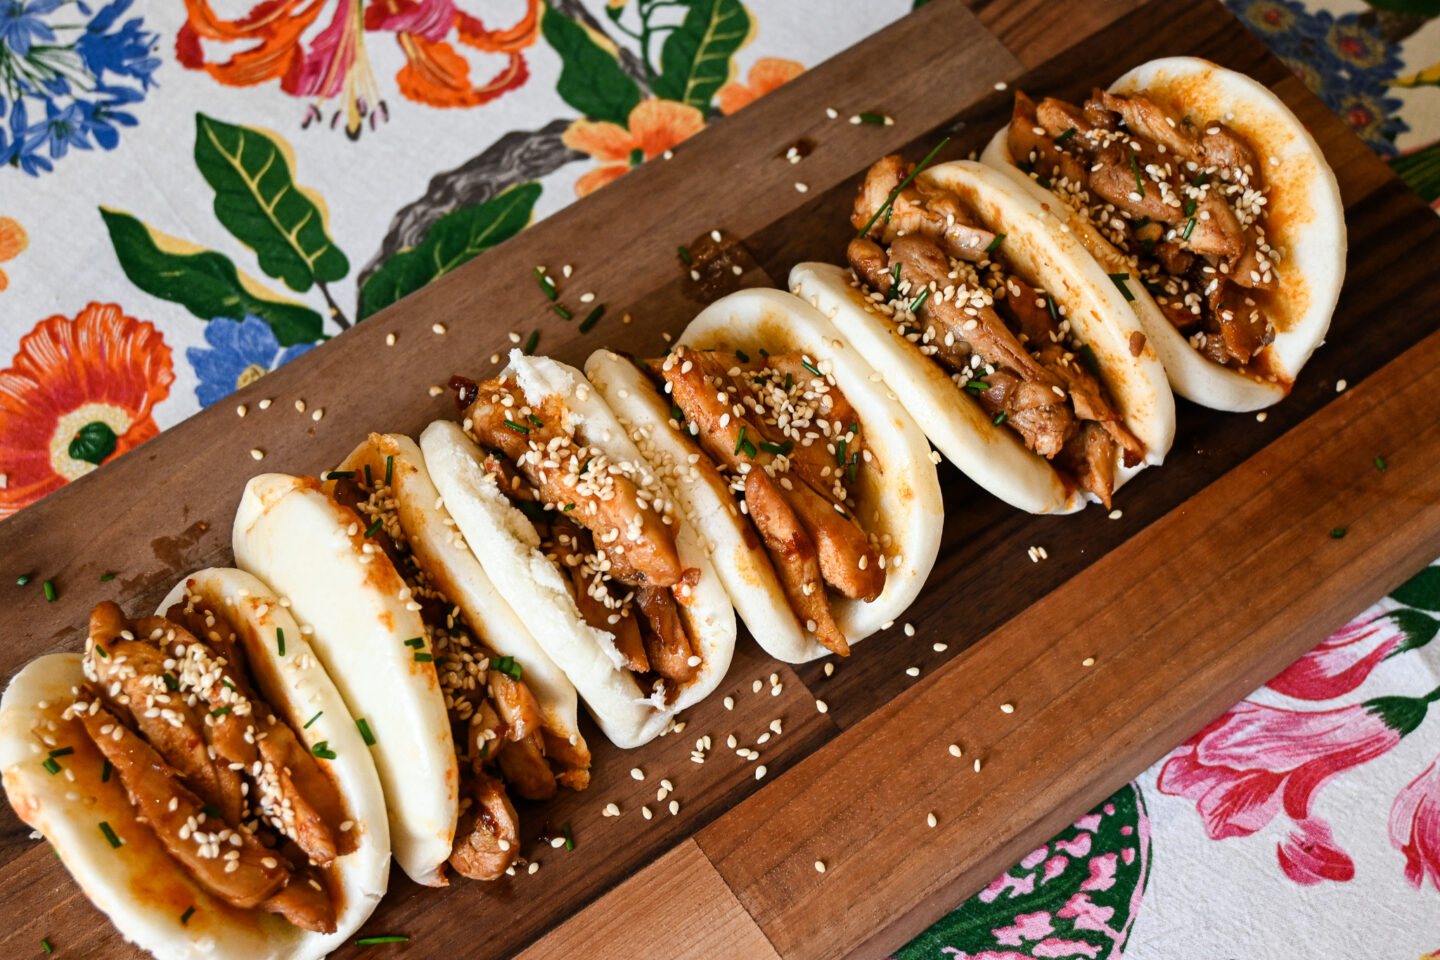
[1220, 572]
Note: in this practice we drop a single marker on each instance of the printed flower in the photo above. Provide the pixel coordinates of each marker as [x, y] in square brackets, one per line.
[766, 74]
[1415, 827]
[1309, 855]
[268, 44]
[1272, 20]
[78, 393]
[13, 242]
[21, 26]
[654, 126]
[1368, 114]
[240, 352]
[1342, 662]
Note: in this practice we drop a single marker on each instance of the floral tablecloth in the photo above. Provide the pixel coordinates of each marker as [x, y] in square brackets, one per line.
[193, 193]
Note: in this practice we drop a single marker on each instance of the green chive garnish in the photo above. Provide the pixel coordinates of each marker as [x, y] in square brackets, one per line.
[416, 642]
[592, 318]
[685, 255]
[744, 357]
[894, 284]
[1190, 207]
[318, 715]
[106, 577]
[748, 449]
[919, 300]
[561, 309]
[374, 528]
[51, 765]
[977, 385]
[280, 641]
[211, 810]
[532, 341]
[1090, 361]
[741, 441]
[369, 481]
[45, 945]
[1119, 281]
[1135, 169]
[840, 452]
[677, 414]
[340, 475]
[535, 420]
[23, 579]
[874, 118]
[171, 682]
[569, 837]
[1054, 311]
[1065, 135]
[518, 428]
[110, 835]
[389, 469]
[903, 184]
[990, 247]
[49, 586]
[1200, 179]
[185, 917]
[424, 658]
[999, 418]
[104, 654]
[789, 381]
[1337, 534]
[781, 449]
[323, 751]
[546, 287]
[105, 772]
[805, 362]
[583, 466]
[569, 507]
[62, 752]
[220, 711]
[1380, 464]
[1189, 228]
[367, 941]
[365, 733]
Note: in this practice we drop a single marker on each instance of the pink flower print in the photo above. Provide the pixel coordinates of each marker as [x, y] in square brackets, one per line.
[1340, 663]
[1309, 855]
[1102, 873]
[1415, 827]
[1028, 926]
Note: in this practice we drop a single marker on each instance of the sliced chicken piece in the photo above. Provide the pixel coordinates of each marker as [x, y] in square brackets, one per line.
[486, 823]
[1031, 311]
[919, 208]
[1090, 457]
[1113, 178]
[1227, 149]
[848, 562]
[870, 264]
[1148, 120]
[571, 544]
[526, 771]
[1035, 150]
[305, 902]
[1244, 329]
[305, 805]
[570, 761]
[666, 646]
[1251, 270]
[793, 553]
[517, 706]
[1217, 232]
[178, 818]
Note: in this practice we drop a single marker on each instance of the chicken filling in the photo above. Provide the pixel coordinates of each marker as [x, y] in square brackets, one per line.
[499, 730]
[228, 787]
[945, 282]
[789, 445]
[1182, 198]
[605, 524]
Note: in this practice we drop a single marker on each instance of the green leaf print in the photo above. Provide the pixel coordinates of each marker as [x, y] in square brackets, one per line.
[1080, 891]
[257, 200]
[455, 238]
[695, 61]
[1419, 629]
[202, 281]
[1421, 590]
[1421, 171]
[591, 80]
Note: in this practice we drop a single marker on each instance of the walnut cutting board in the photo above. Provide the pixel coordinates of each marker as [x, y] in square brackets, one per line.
[1221, 570]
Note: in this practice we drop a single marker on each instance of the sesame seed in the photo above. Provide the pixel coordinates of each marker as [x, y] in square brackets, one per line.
[438, 327]
[666, 784]
[755, 687]
[299, 406]
[241, 410]
[436, 390]
[1007, 708]
[503, 844]
[264, 404]
[819, 866]
[775, 690]
[930, 819]
[821, 706]
[1116, 514]
[729, 703]
[1340, 386]
[855, 119]
[909, 630]
[645, 812]
[319, 412]
[557, 842]
[940, 647]
[760, 772]
[801, 187]
[566, 270]
[977, 764]
[955, 750]
[494, 358]
[612, 810]
[668, 154]
[257, 454]
[829, 669]
[1088, 662]
[587, 297]
[694, 274]
[636, 773]
[775, 726]
[534, 865]
[832, 113]
[389, 339]
[734, 268]
[1001, 85]
[514, 337]
[912, 671]
[715, 235]
[674, 807]
[1261, 416]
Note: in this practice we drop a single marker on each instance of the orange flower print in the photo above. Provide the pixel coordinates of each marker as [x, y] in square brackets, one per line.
[654, 127]
[767, 74]
[78, 393]
[13, 242]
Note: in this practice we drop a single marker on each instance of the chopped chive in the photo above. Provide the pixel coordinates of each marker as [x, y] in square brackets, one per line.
[999, 418]
[1065, 135]
[874, 118]
[517, 427]
[925, 295]
[365, 733]
[1380, 464]
[416, 642]
[318, 714]
[23, 579]
[367, 941]
[1189, 228]
[685, 255]
[1337, 534]
[280, 641]
[1135, 169]
[110, 835]
[563, 311]
[741, 441]
[424, 658]
[1152, 286]
[211, 810]
[592, 318]
[1148, 245]
[533, 341]
[569, 837]
[339, 475]
[371, 530]
[185, 917]
[323, 751]
[369, 480]
[104, 654]
[1190, 207]
[1119, 281]
[850, 468]
[227, 683]
[1054, 311]
[106, 577]
[220, 711]
[507, 665]
[105, 772]
[569, 507]
[1090, 360]
[977, 385]
[484, 749]
[546, 287]
[62, 752]
[748, 449]
[51, 765]
[744, 357]
[805, 362]
[171, 682]
[45, 945]
[1200, 179]
[764, 352]
[583, 466]
[789, 381]
[993, 244]
[781, 449]
[840, 452]
[677, 414]
[533, 510]
[896, 192]
[894, 290]
[389, 469]
[49, 586]
[535, 420]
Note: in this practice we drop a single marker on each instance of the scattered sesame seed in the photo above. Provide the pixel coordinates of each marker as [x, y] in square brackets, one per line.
[1116, 514]
[1007, 708]
[755, 687]
[587, 297]
[626, 319]
[438, 327]
[939, 647]
[535, 864]
[611, 810]
[319, 412]
[832, 113]
[729, 703]
[955, 750]
[694, 274]
[514, 337]
[775, 726]
[668, 154]
[855, 119]
[389, 339]
[1261, 416]
[821, 706]
[801, 187]
[674, 807]
[909, 630]
[829, 669]
[299, 406]
[636, 773]
[241, 410]
[264, 404]
[257, 454]
[930, 819]
[760, 772]
[1340, 386]
[775, 690]
[666, 784]
[566, 270]
[716, 236]
[645, 812]
[435, 390]
[819, 866]
[912, 671]
[1088, 662]
[1001, 85]
[977, 764]
[736, 269]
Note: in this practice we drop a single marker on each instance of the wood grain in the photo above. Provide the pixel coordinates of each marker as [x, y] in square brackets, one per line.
[850, 786]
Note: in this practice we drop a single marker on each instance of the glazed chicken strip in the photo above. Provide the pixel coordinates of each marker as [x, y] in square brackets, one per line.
[305, 902]
[487, 837]
[296, 795]
[522, 755]
[793, 553]
[178, 817]
[570, 545]
[918, 208]
[872, 266]
[666, 645]
[606, 503]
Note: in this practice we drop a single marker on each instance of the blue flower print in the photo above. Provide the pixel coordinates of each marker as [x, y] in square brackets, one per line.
[21, 26]
[240, 352]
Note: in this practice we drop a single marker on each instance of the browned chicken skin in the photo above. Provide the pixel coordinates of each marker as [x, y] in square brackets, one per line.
[487, 837]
